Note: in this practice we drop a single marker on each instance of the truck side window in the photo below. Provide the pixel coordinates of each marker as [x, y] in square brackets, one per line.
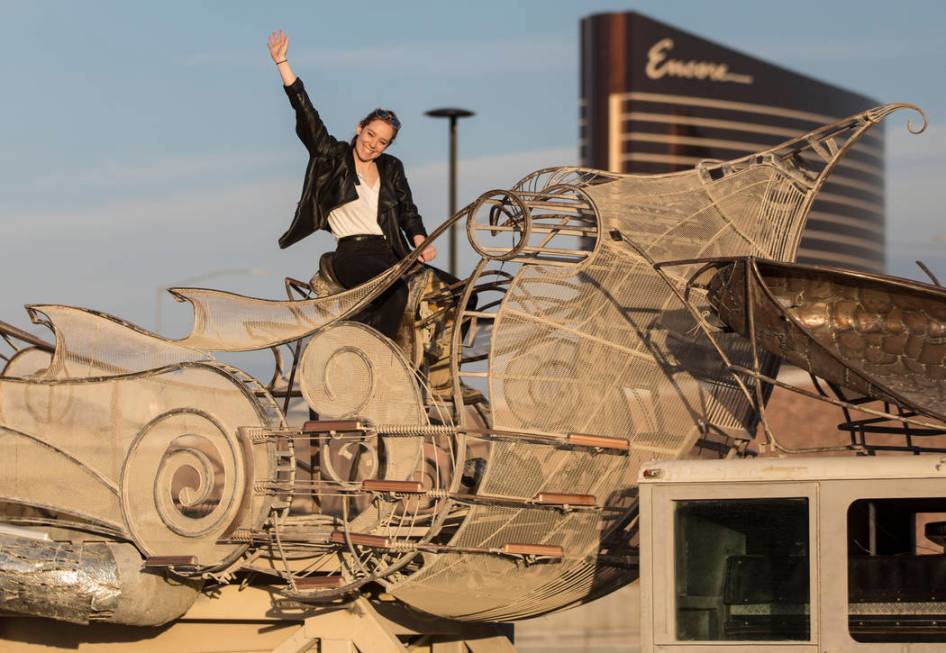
[897, 570]
[742, 570]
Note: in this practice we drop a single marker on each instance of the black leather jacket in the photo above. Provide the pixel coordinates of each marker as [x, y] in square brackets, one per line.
[330, 182]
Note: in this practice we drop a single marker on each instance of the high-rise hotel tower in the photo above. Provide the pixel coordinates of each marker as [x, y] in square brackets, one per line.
[655, 99]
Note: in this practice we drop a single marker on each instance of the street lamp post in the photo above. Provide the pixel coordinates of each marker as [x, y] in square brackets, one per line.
[454, 115]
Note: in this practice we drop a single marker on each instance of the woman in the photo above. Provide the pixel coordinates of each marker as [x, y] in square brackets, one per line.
[357, 192]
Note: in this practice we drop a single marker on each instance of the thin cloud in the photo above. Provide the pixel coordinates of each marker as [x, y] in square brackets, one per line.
[532, 55]
[155, 174]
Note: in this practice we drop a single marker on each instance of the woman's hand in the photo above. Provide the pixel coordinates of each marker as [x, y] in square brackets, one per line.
[278, 44]
[429, 253]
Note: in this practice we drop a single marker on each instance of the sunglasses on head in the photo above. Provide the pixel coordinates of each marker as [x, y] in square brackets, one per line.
[388, 117]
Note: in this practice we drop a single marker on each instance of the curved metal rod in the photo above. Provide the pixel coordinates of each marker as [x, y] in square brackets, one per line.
[558, 174]
[879, 113]
[279, 371]
[929, 273]
[90, 522]
[85, 527]
[8, 330]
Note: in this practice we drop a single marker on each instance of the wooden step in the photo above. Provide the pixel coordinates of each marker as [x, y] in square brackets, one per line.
[330, 426]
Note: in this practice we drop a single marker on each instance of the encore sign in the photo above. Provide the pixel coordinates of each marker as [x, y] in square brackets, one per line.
[660, 65]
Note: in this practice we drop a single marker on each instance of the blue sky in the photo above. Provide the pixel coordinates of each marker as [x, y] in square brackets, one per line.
[142, 145]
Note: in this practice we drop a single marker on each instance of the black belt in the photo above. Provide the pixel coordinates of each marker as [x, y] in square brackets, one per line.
[357, 238]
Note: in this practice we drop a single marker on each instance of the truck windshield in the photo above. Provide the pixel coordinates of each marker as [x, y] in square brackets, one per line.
[742, 569]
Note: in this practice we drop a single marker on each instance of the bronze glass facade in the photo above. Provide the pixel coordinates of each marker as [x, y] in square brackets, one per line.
[655, 99]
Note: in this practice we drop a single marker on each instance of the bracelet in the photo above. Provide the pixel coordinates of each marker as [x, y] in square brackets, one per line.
[279, 62]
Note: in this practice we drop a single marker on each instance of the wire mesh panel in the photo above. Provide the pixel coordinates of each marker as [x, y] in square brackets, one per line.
[155, 457]
[29, 361]
[90, 344]
[230, 322]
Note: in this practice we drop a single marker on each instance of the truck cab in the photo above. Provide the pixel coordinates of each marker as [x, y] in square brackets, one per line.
[795, 554]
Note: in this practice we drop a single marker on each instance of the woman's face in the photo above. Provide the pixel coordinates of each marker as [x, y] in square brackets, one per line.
[372, 139]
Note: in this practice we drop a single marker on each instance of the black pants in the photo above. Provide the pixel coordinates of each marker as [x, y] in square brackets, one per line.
[356, 261]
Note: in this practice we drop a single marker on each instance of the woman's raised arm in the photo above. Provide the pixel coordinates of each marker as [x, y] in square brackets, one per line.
[278, 44]
[309, 126]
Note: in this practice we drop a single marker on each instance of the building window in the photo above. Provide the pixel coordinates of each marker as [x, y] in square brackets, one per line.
[742, 570]
[897, 570]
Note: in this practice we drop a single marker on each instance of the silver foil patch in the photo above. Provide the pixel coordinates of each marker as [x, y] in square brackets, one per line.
[78, 583]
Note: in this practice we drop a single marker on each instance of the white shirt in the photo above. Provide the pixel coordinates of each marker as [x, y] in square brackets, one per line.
[359, 216]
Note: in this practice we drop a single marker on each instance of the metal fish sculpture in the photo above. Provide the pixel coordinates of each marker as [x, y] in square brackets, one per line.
[482, 468]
